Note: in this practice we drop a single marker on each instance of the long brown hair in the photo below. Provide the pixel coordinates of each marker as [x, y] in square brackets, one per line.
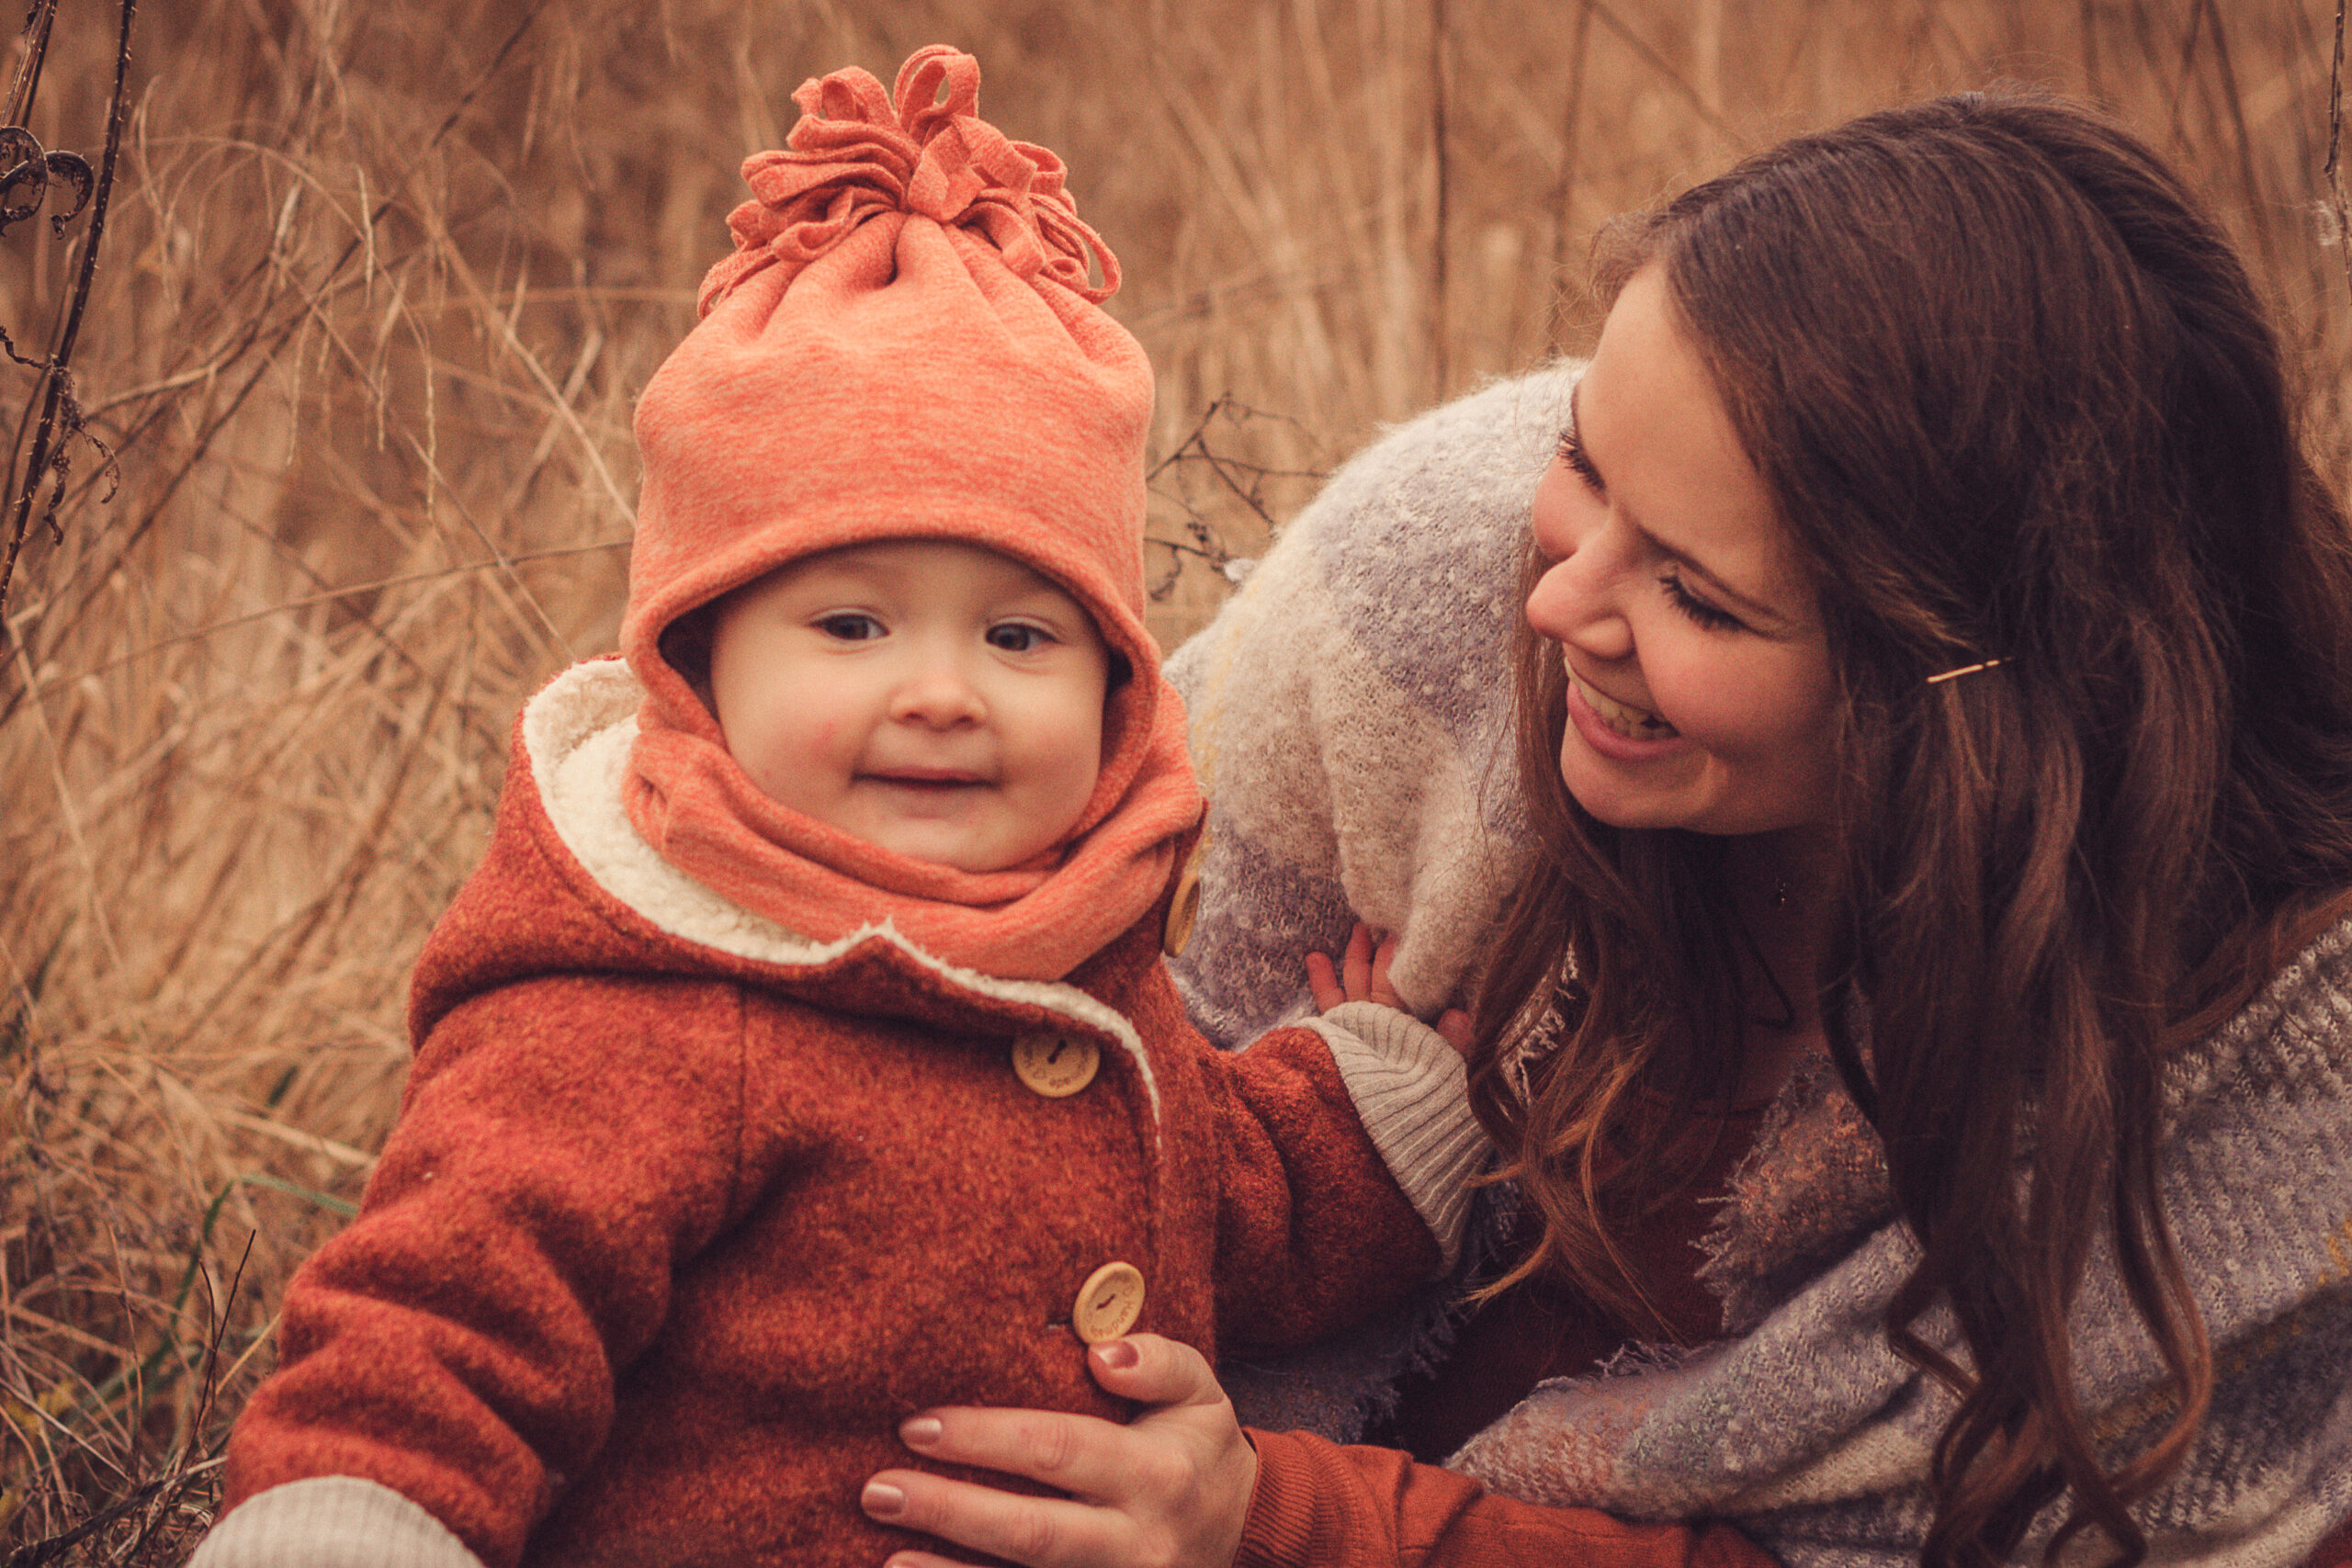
[2016, 398]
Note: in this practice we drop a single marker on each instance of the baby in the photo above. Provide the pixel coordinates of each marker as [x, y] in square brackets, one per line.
[801, 1057]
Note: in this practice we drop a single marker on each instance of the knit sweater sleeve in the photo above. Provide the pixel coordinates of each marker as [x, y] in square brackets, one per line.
[564, 1144]
[1411, 1092]
[1330, 1506]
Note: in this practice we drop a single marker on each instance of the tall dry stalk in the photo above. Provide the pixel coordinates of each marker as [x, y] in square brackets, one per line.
[380, 285]
[33, 170]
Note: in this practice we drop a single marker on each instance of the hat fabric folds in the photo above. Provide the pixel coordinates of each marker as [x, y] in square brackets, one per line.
[905, 344]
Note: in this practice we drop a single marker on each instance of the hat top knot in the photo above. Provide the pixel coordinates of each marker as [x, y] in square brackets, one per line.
[854, 154]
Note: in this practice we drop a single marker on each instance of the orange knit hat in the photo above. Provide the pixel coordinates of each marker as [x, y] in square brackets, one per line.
[904, 345]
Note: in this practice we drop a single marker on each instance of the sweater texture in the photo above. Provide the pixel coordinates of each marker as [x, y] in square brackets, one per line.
[1802, 1427]
[686, 1212]
[1351, 717]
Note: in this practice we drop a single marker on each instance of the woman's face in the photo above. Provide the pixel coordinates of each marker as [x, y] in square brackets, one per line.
[1698, 684]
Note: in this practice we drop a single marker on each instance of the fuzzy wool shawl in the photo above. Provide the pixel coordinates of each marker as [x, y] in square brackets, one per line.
[1809, 1433]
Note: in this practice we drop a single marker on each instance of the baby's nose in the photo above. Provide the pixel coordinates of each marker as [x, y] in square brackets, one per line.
[940, 692]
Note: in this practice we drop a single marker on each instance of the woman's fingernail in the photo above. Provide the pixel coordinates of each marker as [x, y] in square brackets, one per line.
[1118, 1355]
[882, 1500]
[920, 1431]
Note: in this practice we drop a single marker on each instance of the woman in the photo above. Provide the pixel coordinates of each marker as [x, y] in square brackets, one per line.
[1944, 655]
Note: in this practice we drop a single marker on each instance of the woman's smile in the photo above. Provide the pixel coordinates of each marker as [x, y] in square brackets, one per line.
[1699, 688]
[1619, 718]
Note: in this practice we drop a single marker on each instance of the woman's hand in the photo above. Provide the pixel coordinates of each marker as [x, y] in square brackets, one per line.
[1169, 1490]
[1363, 977]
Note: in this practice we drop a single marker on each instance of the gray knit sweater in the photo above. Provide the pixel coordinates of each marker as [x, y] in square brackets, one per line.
[1351, 717]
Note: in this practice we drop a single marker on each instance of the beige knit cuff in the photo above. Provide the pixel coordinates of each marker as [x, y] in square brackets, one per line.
[1411, 1089]
[330, 1521]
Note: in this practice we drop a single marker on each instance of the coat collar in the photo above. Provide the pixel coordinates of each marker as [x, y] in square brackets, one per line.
[575, 736]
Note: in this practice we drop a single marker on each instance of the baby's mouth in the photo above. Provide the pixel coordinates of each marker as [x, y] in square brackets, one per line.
[1632, 723]
[941, 779]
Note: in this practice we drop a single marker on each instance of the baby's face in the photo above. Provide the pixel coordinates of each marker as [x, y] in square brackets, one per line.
[934, 698]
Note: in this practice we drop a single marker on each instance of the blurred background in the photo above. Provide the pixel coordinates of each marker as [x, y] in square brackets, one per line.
[376, 287]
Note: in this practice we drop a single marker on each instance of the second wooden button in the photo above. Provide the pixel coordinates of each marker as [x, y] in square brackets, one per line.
[1108, 1304]
[1055, 1065]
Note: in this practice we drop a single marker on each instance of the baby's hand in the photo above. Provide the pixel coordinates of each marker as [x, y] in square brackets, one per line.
[1363, 977]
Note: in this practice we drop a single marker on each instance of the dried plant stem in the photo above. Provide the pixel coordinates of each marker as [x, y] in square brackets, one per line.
[261, 341]
[1667, 73]
[57, 385]
[2333, 175]
[1564, 189]
[28, 83]
[2093, 76]
[2235, 102]
[1441, 371]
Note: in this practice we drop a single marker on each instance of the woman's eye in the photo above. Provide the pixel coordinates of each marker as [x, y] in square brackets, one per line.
[1572, 453]
[1013, 637]
[849, 627]
[1698, 609]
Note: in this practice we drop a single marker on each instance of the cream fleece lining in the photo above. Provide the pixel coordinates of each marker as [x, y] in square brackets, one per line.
[577, 732]
[330, 1521]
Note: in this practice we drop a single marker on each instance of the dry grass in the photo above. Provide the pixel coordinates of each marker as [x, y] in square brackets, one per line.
[378, 287]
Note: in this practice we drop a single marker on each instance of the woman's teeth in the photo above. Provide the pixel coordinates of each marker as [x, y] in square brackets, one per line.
[1632, 723]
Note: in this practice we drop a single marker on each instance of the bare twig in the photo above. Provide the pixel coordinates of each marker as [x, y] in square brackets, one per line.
[1706, 111]
[2334, 173]
[1564, 190]
[261, 339]
[58, 405]
[1245, 481]
[1443, 225]
[28, 83]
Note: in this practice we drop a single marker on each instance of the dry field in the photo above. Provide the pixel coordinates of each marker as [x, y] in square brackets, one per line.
[378, 284]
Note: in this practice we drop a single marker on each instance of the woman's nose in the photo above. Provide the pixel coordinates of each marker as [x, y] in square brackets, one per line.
[1574, 603]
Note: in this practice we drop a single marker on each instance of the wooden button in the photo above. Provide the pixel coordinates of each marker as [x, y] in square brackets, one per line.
[1108, 1304]
[1185, 907]
[1056, 1066]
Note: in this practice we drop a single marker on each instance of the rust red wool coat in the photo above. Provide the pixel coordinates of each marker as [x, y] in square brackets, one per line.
[673, 1230]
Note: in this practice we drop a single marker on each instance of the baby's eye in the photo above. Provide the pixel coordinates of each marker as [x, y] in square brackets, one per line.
[850, 625]
[1016, 637]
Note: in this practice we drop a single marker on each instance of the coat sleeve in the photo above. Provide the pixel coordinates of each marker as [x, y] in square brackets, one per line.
[1330, 1506]
[1344, 1171]
[564, 1145]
